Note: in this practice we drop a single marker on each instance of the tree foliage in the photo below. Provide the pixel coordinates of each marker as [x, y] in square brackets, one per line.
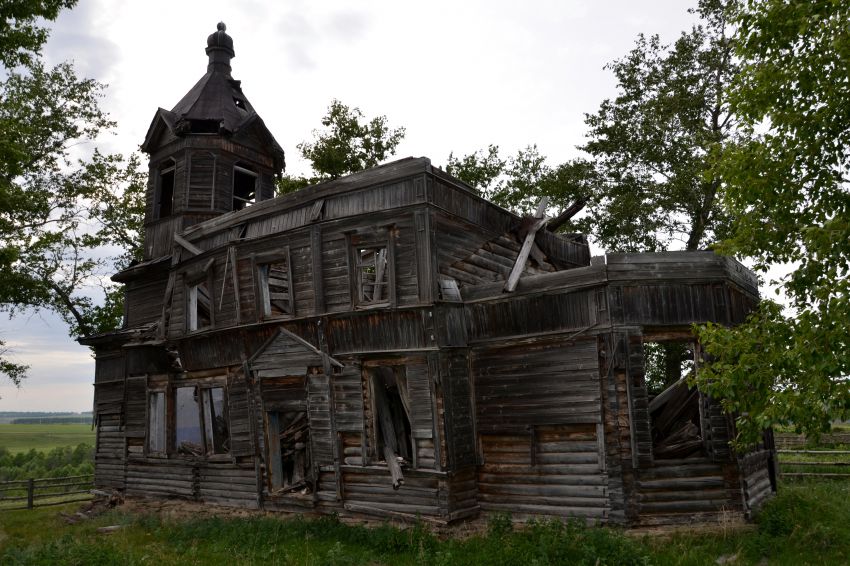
[67, 220]
[789, 187]
[519, 182]
[349, 143]
[654, 144]
[21, 35]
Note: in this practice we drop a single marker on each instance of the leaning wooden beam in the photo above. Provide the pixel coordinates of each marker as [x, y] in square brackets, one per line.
[187, 244]
[519, 266]
[568, 213]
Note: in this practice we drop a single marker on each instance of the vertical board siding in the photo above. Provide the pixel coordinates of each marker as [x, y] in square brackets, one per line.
[144, 301]
[421, 403]
[460, 419]
[202, 167]
[320, 419]
[239, 411]
[348, 399]
[135, 404]
[335, 275]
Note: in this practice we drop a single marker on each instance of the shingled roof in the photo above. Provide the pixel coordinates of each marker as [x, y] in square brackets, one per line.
[216, 104]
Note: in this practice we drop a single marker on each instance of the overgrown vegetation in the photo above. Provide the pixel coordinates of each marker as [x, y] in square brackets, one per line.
[807, 523]
[59, 462]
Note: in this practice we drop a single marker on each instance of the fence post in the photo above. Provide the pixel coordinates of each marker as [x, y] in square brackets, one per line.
[30, 489]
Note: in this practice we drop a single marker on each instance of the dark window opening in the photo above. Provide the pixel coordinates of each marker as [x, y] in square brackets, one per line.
[156, 422]
[244, 187]
[165, 195]
[187, 425]
[200, 307]
[275, 288]
[204, 126]
[372, 276]
[392, 430]
[289, 450]
[674, 411]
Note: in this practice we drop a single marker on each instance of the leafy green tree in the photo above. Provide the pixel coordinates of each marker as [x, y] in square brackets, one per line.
[788, 185]
[519, 182]
[654, 143]
[59, 215]
[21, 35]
[650, 183]
[348, 143]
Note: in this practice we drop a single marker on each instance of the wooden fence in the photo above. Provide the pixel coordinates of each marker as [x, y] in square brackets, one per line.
[814, 463]
[788, 441]
[30, 493]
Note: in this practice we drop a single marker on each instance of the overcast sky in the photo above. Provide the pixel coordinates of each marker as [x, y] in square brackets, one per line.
[458, 75]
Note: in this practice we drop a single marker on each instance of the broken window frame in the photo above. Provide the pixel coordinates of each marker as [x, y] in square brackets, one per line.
[693, 440]
[194, 281]
[241, 198]
[280, 480]
[262, 265]
[207, 446]
[357, 245]
[165, 185]
[380, 452]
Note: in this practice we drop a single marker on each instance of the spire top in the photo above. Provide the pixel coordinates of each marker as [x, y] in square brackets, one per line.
[220, 49]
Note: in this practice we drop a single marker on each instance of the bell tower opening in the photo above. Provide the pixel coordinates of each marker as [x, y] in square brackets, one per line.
[165, 190]
[244, 186]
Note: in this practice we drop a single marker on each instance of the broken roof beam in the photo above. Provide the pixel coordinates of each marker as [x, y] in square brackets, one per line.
[566, 214]
[522, 258]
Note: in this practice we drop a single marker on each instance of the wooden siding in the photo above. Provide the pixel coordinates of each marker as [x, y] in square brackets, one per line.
[377, 330]
[239, 412]
[456, 385]
[348, 399]
[369, 491]
[144, 301]
[535, 384]
[552, 470]
[756, 478]
[110, 452]
[531, 314]
[135, 403]
[322, 438]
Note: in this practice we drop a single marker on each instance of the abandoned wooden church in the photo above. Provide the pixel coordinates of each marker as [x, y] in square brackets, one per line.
[390, 344]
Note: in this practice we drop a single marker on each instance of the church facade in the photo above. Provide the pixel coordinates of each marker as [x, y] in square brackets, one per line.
[390, 344]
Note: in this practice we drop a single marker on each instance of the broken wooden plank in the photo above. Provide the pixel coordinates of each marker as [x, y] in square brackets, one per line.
[519, 266]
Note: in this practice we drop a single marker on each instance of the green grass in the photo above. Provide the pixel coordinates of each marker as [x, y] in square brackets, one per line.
[44, 437]
[807, 523]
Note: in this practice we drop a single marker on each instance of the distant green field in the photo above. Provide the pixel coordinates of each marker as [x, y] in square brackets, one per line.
[44, 437]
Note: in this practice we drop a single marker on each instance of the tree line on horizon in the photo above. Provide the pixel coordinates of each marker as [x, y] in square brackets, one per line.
[732, 137]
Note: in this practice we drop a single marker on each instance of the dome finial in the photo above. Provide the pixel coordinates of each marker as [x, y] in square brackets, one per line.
[220, 49]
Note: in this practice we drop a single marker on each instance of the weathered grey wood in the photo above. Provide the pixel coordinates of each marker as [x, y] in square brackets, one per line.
[187, 245]
[523, 362]
[540, 214]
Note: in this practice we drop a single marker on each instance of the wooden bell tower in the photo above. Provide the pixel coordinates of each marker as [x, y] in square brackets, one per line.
[209, 155]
